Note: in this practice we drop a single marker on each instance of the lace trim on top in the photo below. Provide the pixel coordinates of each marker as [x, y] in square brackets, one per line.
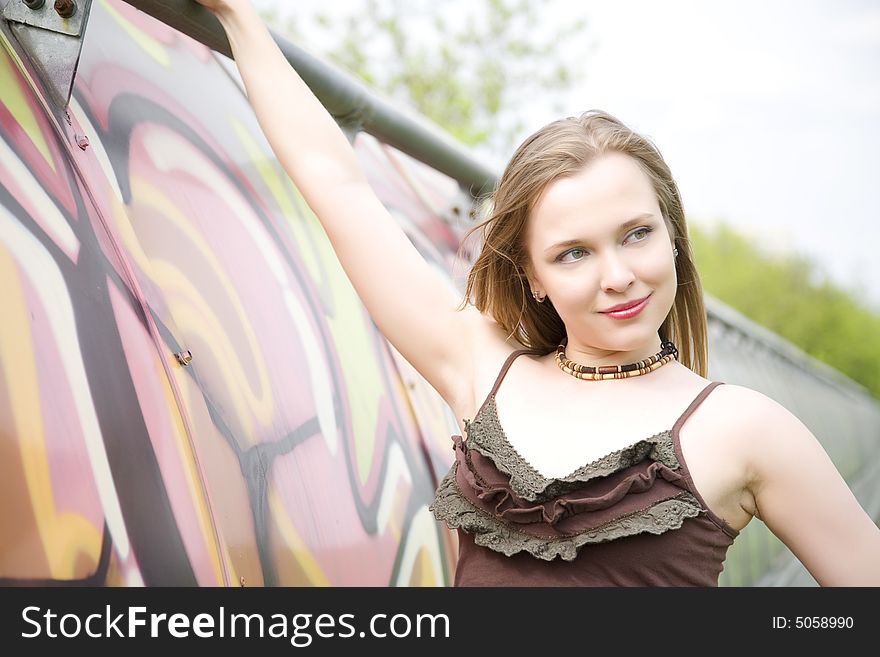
[486, 436]
[488, 531]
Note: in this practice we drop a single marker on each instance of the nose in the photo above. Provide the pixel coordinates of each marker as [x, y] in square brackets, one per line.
[616, 274]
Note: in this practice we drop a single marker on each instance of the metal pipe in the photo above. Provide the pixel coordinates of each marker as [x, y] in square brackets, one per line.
[351, 103]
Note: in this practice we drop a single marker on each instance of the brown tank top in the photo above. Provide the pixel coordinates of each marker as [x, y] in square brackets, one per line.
[630, 518]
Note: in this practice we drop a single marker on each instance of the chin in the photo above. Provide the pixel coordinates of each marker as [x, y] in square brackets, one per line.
[609, 343]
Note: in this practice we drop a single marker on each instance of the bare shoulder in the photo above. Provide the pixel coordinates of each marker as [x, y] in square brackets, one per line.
[800, 495]
[747, 419]
[734, 397]
[743, 408]
[747, 455]
[762, 427]
[715, 441]
[772, 439]
[764, 435]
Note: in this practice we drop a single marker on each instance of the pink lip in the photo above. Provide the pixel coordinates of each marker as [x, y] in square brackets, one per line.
[624, 306]
[627, 310]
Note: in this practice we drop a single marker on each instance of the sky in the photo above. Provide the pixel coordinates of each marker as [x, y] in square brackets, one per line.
[767, 112]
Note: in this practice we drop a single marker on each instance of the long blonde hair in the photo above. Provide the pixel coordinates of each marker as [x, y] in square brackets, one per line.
[497, 280]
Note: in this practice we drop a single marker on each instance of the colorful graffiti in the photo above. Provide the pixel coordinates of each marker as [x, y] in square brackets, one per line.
[191, 393]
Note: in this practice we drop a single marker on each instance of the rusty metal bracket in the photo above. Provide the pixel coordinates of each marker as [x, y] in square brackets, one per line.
[51, 33]
[49, 15]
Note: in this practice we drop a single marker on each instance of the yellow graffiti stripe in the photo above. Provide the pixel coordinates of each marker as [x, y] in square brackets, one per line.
[351, 330]
[152, 196]
[234, 577]
[65, 537]
[149, 45]
[14, 98]
[228, 522]
[310, 567]
[365, 388]
[191, 471]
[423, 569]
[279, 190]
[194, 316]
[420, 563]
[352, 334]
[352, 337]
[361, 372]
[196, 312]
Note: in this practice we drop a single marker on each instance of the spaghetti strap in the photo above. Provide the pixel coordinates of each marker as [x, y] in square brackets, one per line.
[683, 468]
[693, 406]
[500, 377]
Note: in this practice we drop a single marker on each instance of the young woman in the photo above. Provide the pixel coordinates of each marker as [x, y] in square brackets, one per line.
[596, 453]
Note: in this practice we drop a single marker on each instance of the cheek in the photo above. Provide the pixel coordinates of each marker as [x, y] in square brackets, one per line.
[576, 294]
[658, 271]
[658, 266]
[571, 286]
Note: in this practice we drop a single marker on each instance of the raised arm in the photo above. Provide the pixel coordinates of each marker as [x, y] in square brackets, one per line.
[804, 501]
[413, 306]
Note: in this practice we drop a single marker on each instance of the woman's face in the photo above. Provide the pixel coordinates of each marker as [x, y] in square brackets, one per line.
[596, 240]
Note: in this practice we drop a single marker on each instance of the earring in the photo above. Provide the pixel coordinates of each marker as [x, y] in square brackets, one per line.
[674, 252]
[539, 300]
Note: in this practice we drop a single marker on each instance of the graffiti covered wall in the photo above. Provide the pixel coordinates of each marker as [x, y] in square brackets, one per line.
[190, 390]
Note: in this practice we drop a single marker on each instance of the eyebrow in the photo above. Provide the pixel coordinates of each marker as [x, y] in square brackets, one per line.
[626, 224]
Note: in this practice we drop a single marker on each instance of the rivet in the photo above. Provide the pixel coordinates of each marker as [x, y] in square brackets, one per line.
[34, 4]
[65, 8]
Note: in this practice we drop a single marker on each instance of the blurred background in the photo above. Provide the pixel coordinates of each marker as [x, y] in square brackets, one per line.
[768, 114]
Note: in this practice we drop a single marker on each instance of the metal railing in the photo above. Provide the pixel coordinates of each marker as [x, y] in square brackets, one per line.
[350, 102]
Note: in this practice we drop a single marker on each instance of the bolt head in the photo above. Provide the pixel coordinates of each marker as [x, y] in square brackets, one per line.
[65, 8]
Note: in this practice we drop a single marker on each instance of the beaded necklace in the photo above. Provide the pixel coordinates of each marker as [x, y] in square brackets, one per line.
[667, 352]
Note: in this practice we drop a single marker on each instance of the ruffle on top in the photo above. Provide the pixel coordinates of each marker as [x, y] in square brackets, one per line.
[493, 493]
